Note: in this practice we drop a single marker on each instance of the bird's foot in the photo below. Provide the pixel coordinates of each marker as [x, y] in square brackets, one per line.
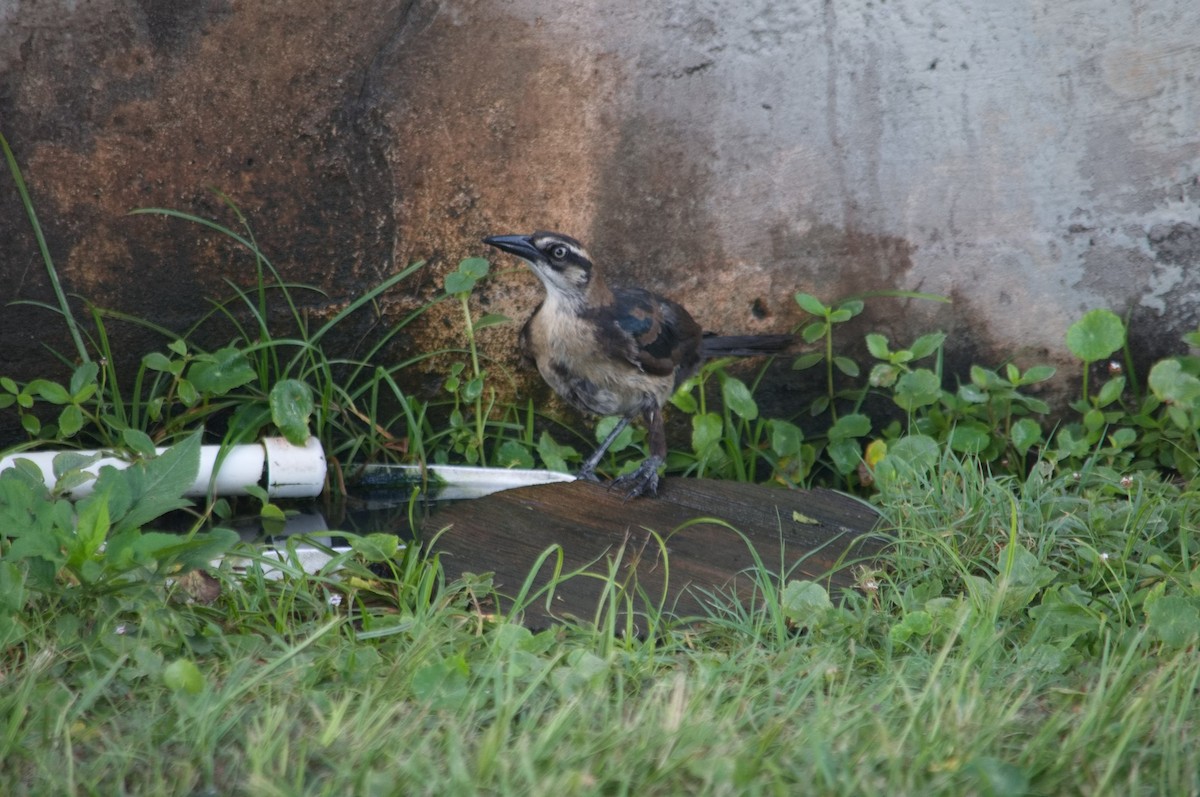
[587, 473]
[641, 481]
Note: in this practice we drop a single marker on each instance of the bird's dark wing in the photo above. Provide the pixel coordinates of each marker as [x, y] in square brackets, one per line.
[650, 331]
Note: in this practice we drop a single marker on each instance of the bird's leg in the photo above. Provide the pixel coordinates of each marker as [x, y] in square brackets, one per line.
[645, 478]
[588, 471]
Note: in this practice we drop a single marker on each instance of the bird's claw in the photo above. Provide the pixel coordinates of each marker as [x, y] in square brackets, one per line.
[641, 481]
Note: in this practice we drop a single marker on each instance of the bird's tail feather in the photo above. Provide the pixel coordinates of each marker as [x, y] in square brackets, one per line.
[744, 345]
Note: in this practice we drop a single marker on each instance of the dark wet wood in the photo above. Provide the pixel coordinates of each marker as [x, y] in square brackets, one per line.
[805, 534]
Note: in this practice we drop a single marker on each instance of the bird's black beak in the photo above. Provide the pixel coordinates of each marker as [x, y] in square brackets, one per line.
[518, 245]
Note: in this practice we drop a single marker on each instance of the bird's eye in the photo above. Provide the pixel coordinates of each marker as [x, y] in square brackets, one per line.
[558, 252]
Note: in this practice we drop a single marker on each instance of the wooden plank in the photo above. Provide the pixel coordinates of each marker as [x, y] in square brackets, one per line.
[699, 535]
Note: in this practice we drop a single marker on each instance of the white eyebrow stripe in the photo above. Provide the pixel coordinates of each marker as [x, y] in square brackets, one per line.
[549, 240]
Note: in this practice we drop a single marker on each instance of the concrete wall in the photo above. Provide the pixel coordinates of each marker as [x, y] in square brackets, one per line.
[1030, 160]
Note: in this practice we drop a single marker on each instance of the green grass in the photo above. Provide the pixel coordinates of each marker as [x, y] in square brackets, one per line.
[1033, 631]
[1020, 637]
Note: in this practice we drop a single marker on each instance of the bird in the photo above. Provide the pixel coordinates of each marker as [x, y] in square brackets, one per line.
[614, 351]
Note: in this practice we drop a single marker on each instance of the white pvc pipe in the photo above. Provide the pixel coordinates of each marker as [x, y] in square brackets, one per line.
[294, 471]
[454, 482]
[283, 469]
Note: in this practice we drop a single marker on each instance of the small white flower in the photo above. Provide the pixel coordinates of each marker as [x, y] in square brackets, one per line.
[120, 629]
[1126, 482]
[335, 599]
[1104, 556]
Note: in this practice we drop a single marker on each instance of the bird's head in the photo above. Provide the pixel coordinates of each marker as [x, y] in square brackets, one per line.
[559, 260]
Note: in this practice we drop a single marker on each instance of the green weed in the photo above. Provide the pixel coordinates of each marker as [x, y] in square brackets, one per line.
[1031, 627]
[1015, 627]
